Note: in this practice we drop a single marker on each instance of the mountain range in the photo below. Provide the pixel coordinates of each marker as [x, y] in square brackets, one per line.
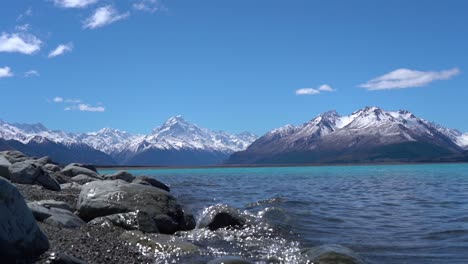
[176, 142]
[368, 135]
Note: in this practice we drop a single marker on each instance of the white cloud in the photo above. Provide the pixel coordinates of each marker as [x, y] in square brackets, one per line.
[312, 91]
[57, 99]
[61, 49]
[326, 88]
[309, 91]
[5, 72]
[31, 73]
[75, 104]
[406, 78]
[22, 43]
[104, 16]
[74, 3]
[148, 5]
[89, 108]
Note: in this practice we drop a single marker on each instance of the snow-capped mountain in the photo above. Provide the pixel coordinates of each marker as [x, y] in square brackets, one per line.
[364, 134]
[175, 135]
[178, 135]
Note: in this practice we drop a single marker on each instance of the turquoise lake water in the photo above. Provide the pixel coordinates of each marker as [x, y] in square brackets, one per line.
[387, 214]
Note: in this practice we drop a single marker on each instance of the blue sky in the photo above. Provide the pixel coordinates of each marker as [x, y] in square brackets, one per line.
[229, 65]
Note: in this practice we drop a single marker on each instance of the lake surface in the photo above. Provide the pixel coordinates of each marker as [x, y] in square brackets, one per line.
[387, 214]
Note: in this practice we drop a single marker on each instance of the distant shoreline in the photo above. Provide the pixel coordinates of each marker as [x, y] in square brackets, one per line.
[112, 167]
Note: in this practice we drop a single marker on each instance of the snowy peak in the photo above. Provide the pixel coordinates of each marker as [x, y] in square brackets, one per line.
[370, 120]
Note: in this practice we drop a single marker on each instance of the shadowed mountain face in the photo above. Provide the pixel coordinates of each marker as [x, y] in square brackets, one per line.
[175, 143]
[368, 135]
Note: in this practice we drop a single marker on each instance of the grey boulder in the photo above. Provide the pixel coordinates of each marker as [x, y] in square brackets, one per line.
[43, 161]
[145, 180]
[221, 216]
[55, 216]
[82, 179]
[72, 170]
[332, 254]
[14, 156]
[4, 165]
[130, 221]
[52, 167]
[120, 175]
[103, 198]
[30, 173]
[20, 236]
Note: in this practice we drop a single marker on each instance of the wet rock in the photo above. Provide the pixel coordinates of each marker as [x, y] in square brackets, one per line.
[20, 237]
[230, 260]
[55, 216]
[145, 180]
[120, 175]
[73, 169]
[129, 221]
[14, 156]
[82, 179]
[103, 198]
[4, 165]
[332, 254]
[157, 243]
[221, 216]
[62, 258]
[30, 173]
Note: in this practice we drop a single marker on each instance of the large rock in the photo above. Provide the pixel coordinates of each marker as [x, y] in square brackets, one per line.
[145, 180]
[30, 173]
[82, 179]
[20, 236]
[52, 167]
[221, 216]
[14, 156]
[87, 166]
[43, 161]
[332, 254]
[72, 170]
[4, 165]
[120, 175]
[138, 220]
[55, 215]
[103, 198]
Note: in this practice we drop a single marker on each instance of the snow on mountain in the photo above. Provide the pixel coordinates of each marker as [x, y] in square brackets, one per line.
[107, 140]
[175, 133]
[178, 134]
[392, 126]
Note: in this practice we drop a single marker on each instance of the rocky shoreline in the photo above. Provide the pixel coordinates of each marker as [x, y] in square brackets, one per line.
[73, 214]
